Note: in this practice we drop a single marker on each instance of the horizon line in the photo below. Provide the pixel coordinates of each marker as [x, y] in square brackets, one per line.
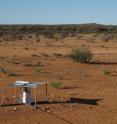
[60, 24]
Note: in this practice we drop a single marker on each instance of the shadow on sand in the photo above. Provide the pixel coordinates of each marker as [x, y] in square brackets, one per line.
[73, 100]
[103, 63]
[70, 101]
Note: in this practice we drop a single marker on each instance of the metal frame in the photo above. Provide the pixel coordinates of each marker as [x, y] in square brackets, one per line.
[29, 85]
[1, 102]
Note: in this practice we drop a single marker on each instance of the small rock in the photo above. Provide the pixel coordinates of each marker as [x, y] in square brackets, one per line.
[14, 109]
[6, 110]
[48, 111]
[45, 109]
[89, 107]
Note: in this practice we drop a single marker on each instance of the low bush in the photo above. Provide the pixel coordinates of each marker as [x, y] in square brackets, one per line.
[106, 37]
[82, 55]
[56, 84]
[38, 69]
[105, 72]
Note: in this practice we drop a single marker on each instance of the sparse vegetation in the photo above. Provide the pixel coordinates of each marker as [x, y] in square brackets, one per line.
[58, 55]
[56, 84]
[19, 32]
[82, 55]
[105, 71]
[106, 37]
[7, 72]
[38, 69]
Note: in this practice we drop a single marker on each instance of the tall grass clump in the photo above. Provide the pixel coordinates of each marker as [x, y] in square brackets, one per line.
[56, 84]
[82, 55]
[38, 69]
[105, 71]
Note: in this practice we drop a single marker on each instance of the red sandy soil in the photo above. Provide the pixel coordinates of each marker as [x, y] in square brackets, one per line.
[83, 84]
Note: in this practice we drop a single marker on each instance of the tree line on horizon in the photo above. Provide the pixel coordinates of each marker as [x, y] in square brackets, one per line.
[18, 31]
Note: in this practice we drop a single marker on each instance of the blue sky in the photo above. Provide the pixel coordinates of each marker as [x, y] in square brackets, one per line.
[58, 11]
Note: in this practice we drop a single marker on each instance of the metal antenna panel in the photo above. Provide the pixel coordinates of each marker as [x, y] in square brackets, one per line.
[25, 91]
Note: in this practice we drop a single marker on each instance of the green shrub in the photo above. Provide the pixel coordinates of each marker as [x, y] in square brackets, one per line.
[38, 69]
[82, 55]
[105, 72]
[56, 84]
